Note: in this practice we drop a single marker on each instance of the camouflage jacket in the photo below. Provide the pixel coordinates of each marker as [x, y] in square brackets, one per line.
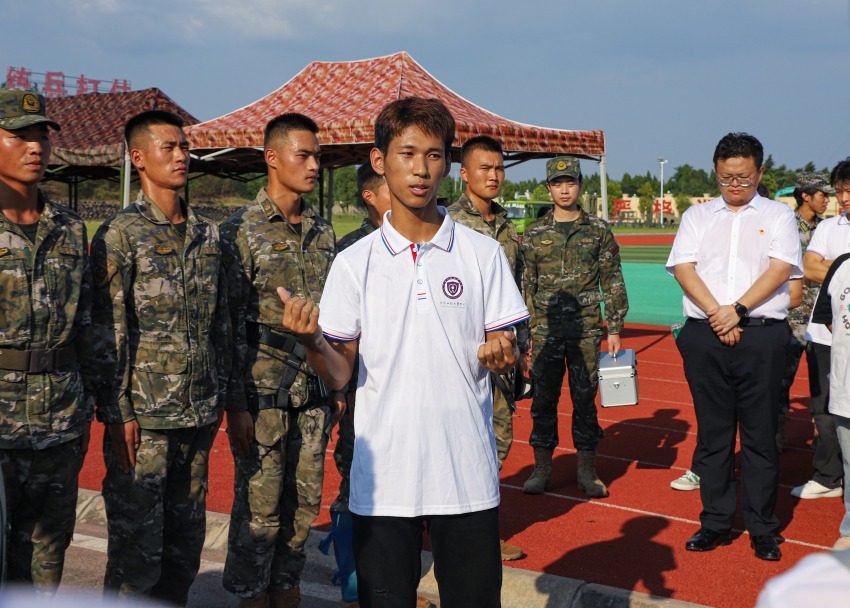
[367, 227]
[160, 317]
[464, 212]
[263, 252]
[798, 317]
[564, 274]
[46, 304]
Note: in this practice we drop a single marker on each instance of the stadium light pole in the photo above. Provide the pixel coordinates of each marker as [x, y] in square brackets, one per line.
[661, 162]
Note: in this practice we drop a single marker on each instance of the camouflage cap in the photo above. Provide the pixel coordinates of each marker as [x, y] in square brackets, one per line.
[19, 109]
[818, 181]
[563, 166]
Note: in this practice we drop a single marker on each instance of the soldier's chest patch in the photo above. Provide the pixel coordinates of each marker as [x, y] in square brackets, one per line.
[280, 246]
[164, 249]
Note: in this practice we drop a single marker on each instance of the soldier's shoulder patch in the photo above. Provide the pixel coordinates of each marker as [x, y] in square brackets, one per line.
[4, 251]
[280, 246]
[163, 249]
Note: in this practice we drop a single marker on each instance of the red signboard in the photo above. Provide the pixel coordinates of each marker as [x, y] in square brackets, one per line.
[621, 204]
[53, 84]
[668, 207]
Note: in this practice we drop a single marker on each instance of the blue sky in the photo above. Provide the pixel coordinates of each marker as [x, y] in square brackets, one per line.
[661, 78]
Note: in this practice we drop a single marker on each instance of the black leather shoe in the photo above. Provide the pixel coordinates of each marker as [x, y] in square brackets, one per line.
[706, 540]
[766, 547]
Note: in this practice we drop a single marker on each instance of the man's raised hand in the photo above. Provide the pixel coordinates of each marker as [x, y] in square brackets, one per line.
[300, 316]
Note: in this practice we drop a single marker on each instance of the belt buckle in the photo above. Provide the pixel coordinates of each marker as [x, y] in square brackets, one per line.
[41, 360]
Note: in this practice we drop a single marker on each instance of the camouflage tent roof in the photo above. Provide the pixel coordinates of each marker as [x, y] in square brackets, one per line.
[345, 97]
[92, 132]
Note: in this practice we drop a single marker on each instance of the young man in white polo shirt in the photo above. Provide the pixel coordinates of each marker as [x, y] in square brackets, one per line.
[830, 240]
[428, 301]
[831, 311]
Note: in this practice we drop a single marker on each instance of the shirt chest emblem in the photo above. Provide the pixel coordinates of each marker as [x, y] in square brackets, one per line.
[280, 246]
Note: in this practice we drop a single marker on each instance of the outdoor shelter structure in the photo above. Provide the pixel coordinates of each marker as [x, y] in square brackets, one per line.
[345, 98]
[91, 142]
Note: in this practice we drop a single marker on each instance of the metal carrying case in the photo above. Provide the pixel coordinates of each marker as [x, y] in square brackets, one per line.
[618, 383]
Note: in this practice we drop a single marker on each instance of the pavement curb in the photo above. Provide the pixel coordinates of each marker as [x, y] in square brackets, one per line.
[520, 588]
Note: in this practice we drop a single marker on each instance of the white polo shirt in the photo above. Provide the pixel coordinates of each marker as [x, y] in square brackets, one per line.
[423, 421]
[733, 249]
[832, 307]
[830, 240]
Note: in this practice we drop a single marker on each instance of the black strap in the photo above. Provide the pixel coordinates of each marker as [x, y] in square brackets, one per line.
[37, 360]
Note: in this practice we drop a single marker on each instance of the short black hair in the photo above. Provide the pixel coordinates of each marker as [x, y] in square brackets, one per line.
[480, 142]
[145, 120]
[367, 179]
[841, 173]
[799, 192]
[281, 126]
[739, 145]
[430, 115]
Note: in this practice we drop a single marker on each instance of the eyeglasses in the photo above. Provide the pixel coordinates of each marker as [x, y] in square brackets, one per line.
[743, 181]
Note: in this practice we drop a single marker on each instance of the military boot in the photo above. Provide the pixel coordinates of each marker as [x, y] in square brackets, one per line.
[259, 601]
[541, 476]
[285, 598]
[588, 480]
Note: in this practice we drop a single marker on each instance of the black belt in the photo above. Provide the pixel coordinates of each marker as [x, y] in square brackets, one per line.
[37, 360]
[747, 321]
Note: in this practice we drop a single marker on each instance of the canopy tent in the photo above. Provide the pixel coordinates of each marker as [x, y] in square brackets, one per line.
[345, 98]
[91, 142]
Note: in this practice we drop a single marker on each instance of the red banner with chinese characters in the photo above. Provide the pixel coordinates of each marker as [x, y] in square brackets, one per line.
[57, 84]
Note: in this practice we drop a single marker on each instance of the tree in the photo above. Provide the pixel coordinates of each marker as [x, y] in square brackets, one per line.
[683, 202]
[540, 193]
[509, 191]
[647, 194]
[615, 190]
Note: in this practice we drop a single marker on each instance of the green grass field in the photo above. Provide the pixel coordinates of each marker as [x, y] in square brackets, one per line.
[645, 254]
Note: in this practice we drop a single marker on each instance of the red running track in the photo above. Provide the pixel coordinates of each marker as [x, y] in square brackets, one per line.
[630, 240]
[635, 538]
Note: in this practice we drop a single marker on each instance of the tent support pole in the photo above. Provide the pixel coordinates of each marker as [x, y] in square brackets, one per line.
[603, 186]
[330, 203]
[126, 173]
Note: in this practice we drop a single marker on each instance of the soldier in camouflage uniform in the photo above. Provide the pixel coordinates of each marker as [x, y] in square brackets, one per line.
[46, 383]
[812, 194]
[483, 170]
[160, 316]
[569, 257]
[278, 413]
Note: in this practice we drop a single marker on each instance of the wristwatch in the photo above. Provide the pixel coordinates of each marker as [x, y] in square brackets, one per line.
[741, 310]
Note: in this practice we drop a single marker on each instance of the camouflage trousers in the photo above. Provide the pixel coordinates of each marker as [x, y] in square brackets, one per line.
[41, 509]
[551, 358]
[277, 495]
[156, 514]
[793, 354]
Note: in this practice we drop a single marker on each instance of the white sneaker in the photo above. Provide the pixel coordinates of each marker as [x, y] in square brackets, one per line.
[842, 543]
[812, 489]
[688, 481]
